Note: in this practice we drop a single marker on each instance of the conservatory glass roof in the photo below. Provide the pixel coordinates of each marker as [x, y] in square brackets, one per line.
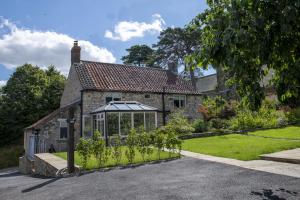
[116, 106]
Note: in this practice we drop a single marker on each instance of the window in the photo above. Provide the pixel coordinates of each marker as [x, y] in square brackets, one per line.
[98, 123]
[179, 101]
[112, 98]
[138, 120]
[150, 123]
[63, 129]
[125, 123]
[113, 124]
[147, 96]
[87, 126]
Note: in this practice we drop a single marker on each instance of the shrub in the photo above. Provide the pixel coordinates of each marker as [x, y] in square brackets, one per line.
[266, 117]
[159, 141]
[143, 143]
[99, 149]
[116, 150]
[294, 115]
[131, 144]
[84, 149]
[218, 123]
[200, 126]
[179, 124]
[172, 142]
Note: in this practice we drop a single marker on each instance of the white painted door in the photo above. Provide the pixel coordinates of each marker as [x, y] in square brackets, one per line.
[31, 146]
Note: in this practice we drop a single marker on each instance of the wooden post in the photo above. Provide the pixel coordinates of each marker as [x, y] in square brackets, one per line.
[70, 154]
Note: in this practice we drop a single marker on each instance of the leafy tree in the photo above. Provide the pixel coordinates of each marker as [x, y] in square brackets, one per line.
[99, 149]
[175, 44]
[116, 150]
[131, 144]
[140, 55]
[30, 94]
[248, 37]
[84, 149]
[143, 143]
[159, 141]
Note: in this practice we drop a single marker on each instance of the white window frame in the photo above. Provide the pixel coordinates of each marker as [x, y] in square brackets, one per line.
[60, 125]
[179, 97]
[83, 123]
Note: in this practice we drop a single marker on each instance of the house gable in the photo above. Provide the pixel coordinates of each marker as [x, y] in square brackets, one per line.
[72, 88]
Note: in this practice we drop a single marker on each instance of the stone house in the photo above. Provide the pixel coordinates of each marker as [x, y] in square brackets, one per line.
[94, 86]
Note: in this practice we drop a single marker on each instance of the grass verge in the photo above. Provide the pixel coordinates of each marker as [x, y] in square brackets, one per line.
[243, 147]
[92, 163]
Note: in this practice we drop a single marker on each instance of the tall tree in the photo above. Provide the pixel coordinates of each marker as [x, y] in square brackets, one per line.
[175, 44]
[248, 37]
[139, 55]
[29, 94]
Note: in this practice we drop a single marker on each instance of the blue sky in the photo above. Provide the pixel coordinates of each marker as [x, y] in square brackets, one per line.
[41, 32]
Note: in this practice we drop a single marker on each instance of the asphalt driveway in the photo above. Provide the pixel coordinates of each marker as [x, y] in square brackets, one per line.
[186, 178]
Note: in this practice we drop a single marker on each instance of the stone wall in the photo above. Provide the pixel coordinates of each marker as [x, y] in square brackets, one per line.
[72, 89]
[94, 99]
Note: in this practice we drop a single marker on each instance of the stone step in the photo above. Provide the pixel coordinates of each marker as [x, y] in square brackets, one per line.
[47, 164]
[288, 156]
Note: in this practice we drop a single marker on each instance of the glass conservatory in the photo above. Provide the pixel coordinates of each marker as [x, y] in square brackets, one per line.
[118, 117]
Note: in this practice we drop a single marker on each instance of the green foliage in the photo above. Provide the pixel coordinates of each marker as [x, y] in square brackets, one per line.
[99, 149]
[30, 94]
[143, 143]
[266, 117]
[117, 151]
[9, 155]
[179, 124]
[172, 142]
[84, 149]
[131, 142]
[218, 123]
[200, 126]
[270, 28]
[159, 141]
[140, 55]
[294, 115]
[214, 106]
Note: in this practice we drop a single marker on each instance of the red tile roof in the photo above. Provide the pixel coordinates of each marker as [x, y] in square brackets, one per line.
[125, 78]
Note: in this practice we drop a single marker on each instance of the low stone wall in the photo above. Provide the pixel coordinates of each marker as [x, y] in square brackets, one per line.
[25, 165]
[43, 168]
[205, 134]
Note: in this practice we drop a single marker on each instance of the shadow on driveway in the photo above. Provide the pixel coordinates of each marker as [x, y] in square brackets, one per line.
[40, 185]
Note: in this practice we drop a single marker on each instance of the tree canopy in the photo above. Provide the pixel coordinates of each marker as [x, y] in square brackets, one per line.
[30, 93]
[140, 55]
[247, 38]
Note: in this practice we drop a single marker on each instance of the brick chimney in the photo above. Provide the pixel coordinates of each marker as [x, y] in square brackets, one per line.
[75, 53]
[172, 66]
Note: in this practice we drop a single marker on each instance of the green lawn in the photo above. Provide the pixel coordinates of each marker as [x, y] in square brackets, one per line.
[9, 155]
[288, 132]
[244, 147]
[92, 163]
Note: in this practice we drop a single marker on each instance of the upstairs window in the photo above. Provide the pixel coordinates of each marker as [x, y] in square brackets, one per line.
[112, 98]
[179, 101]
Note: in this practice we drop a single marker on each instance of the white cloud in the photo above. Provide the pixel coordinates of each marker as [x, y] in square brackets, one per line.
[19, 46]
[2, 83]
[125, 30]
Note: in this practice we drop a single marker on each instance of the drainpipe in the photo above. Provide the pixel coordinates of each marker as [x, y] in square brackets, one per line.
[164, 107]
[81, 111]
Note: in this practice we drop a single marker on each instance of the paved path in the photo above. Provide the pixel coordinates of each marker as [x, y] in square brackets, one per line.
[260, 165]
[186, 178]
[289, 156]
